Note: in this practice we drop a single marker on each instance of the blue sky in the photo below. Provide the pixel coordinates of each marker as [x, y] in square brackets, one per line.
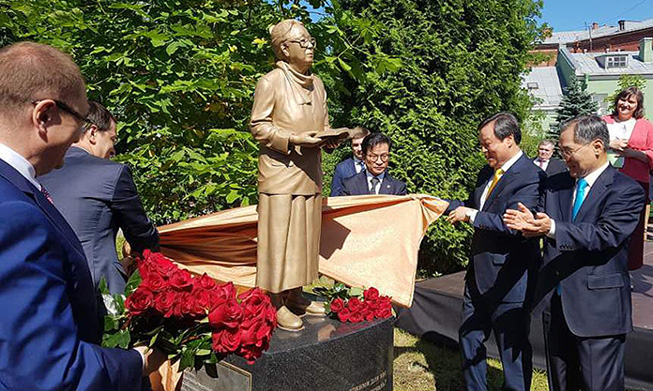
[567, 15]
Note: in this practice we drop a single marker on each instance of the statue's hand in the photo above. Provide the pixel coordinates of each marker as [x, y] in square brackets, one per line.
[304, 140]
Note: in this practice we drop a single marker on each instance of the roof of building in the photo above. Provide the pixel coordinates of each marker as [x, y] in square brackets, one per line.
[586, 63]
[564, 37]
[543, 84]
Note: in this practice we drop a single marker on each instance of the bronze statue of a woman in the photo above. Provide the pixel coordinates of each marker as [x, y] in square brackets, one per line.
[290, 107]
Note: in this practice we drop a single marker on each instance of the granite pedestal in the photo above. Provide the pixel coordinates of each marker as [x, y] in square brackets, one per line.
[326, 355]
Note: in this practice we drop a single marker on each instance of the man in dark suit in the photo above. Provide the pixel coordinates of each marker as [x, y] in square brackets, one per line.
[352, 166]
[375, 178]
[545, 160]
[500, 275]
[50, 330]
[97, 197]
[584, 286]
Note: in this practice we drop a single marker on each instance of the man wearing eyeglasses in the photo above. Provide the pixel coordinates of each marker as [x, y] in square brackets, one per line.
[98, 197]
[50, 329]
[583, 290]
[375, 178]
[501, 272]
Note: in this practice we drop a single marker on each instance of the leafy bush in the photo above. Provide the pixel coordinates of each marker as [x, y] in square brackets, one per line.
[180, 76]
[460, 62]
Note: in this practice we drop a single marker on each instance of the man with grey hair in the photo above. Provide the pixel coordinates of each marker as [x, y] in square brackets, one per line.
[50, 331]
[545, 160]
[583, 288]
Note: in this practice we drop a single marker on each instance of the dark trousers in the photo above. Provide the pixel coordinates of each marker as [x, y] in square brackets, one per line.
[576, 363]
[510, 323]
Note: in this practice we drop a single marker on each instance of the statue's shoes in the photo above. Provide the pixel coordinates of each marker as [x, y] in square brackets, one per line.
[301, 306]
[288, 321]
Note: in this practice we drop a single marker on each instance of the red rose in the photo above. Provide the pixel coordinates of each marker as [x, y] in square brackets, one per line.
[226, 340]
[356, 317]
[183, 306]
[204, 282]
[249, 329]
[158, 262]
[201, 300]
[355, 305]
[254, 302]
[164, 303]
[371, 294]
[140, 301]
[337, 305]
[222, 293]
[228, 314]
[251, 352]
[368, 313]
[383, 312]
[181, 280]
[154, 281]
[344, 314]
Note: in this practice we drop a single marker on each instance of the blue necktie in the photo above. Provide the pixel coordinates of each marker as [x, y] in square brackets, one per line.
[581, 189]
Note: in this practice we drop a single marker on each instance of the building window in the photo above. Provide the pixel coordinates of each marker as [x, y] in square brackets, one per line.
[616, 62]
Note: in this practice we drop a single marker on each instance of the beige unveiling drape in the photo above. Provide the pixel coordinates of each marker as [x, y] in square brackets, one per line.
[369, 240]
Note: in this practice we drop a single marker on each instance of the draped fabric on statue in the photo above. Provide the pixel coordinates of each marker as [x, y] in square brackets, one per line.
[369, 240]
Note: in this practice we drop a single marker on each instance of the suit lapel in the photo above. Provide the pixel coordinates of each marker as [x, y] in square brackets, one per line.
[386, 185]
[50, 211]
[566, 203]
[362, 183]
[351, 167]
[596, 191]
[482, 182]
[505, 180]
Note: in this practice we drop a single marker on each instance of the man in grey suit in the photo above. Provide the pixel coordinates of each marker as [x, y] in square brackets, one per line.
[97, 197]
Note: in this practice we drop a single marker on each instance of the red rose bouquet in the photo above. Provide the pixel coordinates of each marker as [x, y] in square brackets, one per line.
[191, 318]
[354, 304]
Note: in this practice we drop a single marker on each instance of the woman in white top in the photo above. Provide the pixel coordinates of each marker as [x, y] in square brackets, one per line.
[631, 150]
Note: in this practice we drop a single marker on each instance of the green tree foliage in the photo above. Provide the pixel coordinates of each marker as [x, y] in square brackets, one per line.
[180, 76]
[624, 82]
[576, 102]
[460, 62]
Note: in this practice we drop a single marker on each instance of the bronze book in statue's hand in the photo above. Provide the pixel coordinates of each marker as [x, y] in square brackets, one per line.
[339, 133]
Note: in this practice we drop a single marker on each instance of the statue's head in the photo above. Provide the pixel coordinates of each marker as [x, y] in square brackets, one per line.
[292, 43]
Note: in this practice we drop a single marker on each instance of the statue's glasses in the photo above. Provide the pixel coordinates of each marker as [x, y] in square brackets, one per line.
[374, 157]
[304, 43]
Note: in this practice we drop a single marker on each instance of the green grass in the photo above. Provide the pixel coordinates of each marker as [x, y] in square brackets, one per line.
[420, 366]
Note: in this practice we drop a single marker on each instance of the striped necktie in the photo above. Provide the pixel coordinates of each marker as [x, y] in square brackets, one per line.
[375, 181]
[46, 194]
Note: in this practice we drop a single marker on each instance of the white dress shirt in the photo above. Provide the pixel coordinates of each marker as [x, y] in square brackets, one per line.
[19, 163]
[359, 165]
[378, 185]
[506, 166]
[590, 179]
[543, 164]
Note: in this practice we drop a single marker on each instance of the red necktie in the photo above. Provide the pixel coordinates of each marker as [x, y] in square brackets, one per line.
[46, 194]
